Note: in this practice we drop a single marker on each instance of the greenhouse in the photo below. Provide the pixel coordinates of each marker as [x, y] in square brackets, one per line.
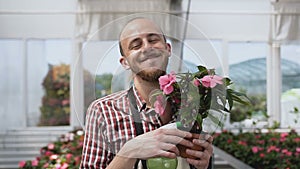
[59, 56]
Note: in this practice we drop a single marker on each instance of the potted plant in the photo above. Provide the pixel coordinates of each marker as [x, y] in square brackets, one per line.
[199, 100]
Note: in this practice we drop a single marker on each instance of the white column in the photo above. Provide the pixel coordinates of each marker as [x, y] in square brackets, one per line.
[77, 86]
[274, 83]
[24, 82]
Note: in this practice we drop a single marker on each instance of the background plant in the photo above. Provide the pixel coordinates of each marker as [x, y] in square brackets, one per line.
[55, 109]
[271, 150]
[62, 154]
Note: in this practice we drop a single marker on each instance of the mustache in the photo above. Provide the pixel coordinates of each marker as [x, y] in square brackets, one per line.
[152, 53]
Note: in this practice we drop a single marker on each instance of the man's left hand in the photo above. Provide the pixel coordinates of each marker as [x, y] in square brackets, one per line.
[203, 156]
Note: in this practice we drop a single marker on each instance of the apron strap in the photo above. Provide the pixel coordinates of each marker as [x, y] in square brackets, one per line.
[137, 121]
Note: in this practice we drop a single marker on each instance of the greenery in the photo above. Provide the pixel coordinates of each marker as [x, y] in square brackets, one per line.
[240, 112]
[62, 154]
[271, 150]
[103, 80]
[55, 109]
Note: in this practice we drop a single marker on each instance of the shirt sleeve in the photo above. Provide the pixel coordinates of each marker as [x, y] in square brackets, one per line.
[95, 153]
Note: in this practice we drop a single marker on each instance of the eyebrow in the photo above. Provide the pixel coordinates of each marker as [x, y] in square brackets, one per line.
[154, 34]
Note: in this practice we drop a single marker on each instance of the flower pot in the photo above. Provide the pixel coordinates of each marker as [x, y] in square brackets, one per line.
[182, 149]
[195, 129]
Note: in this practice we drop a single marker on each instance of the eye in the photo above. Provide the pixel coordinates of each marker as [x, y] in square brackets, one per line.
[135, 44]
[153, 38]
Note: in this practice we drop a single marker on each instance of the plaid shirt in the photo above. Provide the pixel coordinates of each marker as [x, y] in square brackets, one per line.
[109, 125]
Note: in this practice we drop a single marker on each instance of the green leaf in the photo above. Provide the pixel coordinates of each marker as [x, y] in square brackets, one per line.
[201, 68]
[199, 119]
[227, 81]
[230, 100]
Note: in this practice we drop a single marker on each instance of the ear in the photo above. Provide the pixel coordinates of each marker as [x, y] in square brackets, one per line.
[168, 46]
[124, 62]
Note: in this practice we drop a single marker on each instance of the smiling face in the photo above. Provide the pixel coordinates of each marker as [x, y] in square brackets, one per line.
[144, 48]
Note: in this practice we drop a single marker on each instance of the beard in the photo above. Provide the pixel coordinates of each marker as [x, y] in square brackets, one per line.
[151, 75]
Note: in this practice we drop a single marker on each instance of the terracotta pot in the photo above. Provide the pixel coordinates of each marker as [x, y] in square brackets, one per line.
[182, 149]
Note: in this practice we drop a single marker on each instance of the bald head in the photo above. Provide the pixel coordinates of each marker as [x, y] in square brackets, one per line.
[136, 27]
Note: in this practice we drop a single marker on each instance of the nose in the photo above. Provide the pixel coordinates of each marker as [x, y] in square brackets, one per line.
[147, 45]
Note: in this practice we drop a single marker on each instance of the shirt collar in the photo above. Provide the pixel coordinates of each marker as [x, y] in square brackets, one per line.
[139, 101]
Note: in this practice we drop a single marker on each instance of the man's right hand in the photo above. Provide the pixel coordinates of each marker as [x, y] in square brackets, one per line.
[157, 143]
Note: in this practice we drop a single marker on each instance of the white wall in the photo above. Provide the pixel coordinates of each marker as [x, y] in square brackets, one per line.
[218, 19]
[36, 18]
[240, 20]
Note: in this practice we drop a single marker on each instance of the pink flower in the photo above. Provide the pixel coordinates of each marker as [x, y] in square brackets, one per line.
[77, 160]
[159, 105]
[242, 143]
[22, 164]
[45, 165]
[48, 153]
[261, 141]
[273, 148]
[211, 80]
[34, 163]
[286, 152]
[64, 166]
[296, 140]
[68, 157]
[196, 82]
[53, 157]
[166, 82]
[298, 149]
[262, 155]
[255, 149]
[282, 139]
[51, 146]
[283, 135]
[65, 102]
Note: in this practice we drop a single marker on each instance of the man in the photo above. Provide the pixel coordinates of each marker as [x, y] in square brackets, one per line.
[112, 138]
